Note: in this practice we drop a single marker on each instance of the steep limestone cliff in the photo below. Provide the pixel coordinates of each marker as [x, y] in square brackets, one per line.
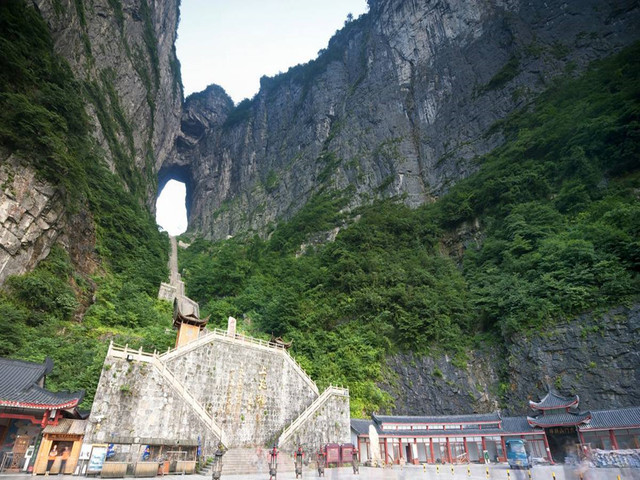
[400, 103]
[122, 55]
[123, 52]
[594, 356]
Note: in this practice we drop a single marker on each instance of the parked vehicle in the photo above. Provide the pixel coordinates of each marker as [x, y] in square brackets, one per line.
[517, 454]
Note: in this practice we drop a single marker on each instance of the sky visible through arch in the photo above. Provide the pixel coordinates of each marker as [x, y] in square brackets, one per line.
[234, 43]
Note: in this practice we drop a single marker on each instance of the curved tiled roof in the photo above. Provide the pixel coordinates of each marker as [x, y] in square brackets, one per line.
[552, 400]
[560, 419]
[440, 419]
[20, 386]
[623, 417]
[516, 425]
[16, 375]
[361, 426]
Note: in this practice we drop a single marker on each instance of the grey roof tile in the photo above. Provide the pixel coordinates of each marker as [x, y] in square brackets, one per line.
[439, 419]
[19, 386]
[553, 400]
[622, 417]
[559, 419]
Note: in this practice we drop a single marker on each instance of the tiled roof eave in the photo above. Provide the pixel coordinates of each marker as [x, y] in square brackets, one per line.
[561, 402]
[40, 406]
[534, 422]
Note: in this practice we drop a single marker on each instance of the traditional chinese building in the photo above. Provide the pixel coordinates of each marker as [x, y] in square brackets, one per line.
[566, 427]
[555, 430]
[27, 408]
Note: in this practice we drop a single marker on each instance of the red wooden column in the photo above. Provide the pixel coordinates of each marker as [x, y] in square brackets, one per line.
[547, 449]
[484, 447]
[431, 449]
[449, 450]
[386, 453]
[399, 449]
[466, 450]
[504, 450]
[614, 441]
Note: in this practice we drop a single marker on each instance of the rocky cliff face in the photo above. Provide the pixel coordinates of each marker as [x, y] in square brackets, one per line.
[594, 357]
[122, 53]
[400, 103]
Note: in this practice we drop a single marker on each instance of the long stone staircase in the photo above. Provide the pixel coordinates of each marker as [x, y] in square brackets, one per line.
[253, 460]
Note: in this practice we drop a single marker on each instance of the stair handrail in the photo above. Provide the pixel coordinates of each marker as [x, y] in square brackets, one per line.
[126, 353]
[311, 409]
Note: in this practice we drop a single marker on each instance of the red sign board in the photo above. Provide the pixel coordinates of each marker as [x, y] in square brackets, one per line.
[333, 453]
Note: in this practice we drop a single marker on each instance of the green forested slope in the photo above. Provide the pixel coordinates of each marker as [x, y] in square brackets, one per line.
[58, 310]
[559, 222]
[557, 208]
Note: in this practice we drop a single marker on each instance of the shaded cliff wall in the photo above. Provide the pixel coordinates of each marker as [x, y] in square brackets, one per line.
[596, 357]
[400, 103]
[122, 55]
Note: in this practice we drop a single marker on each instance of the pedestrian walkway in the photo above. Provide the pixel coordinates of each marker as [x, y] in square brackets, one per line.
[431, 472]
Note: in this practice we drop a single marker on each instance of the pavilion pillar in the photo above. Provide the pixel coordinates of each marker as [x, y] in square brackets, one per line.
[449, 450]
[547, 449]
[466, 450]
[614, 441]
[431, 449]
[386, 452]
[484, 448]
[399, 449]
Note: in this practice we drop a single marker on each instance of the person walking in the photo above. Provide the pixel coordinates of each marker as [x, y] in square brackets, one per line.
[53, 453]
[64, 456]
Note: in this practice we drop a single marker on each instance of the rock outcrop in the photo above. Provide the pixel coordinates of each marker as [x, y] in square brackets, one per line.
[31, 217]
[122, 54]
[596, 357]
[399, 104]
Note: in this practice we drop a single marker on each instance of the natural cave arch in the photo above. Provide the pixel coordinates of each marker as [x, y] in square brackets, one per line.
[181, 174]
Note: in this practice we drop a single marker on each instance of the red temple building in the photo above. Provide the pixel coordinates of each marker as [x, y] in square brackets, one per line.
[555, 430]
[27, 409]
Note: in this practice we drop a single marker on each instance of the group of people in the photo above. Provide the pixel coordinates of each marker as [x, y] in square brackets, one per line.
[53, 454]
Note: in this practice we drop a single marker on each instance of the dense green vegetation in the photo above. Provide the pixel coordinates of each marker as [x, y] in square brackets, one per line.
[57, 309]
[559, 234]
[556, 205]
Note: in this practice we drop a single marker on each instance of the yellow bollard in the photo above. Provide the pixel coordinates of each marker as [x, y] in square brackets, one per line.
[468, 471]
[452, 470]
[508, 474]
[529, 472]
[553, 475]
[424, 467]
[437, 469]
[618, 477]
[487, 469]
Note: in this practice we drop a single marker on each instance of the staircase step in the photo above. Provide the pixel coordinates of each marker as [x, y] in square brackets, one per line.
[252, 460]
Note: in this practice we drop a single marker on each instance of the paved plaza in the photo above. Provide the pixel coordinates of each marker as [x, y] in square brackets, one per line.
[475, 472]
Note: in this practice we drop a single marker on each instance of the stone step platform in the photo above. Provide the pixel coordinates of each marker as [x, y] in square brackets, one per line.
[253, 460]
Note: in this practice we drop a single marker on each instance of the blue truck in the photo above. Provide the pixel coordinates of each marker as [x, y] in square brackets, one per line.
[517, 454]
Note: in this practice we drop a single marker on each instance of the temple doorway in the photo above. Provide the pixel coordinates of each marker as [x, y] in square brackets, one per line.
[563, 442]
